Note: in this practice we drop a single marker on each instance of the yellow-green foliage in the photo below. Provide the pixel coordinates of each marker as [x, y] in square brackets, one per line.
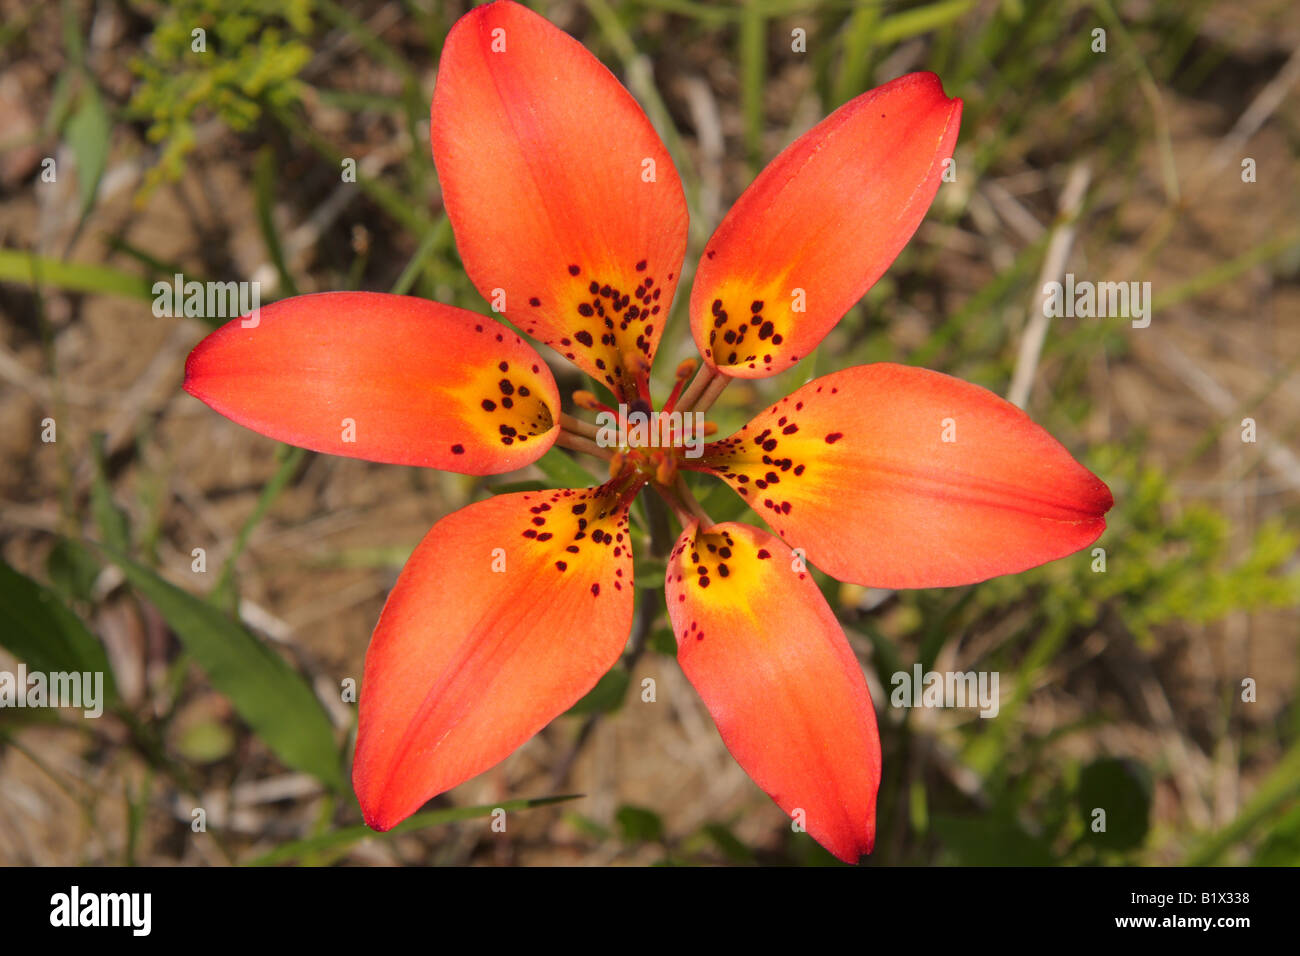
[251, 52]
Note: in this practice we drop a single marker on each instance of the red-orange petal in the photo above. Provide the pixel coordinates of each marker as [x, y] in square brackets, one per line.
[386, 378]
[505, 615]
[820, 225]
[900, 477]
[763, 649]
[566, 206]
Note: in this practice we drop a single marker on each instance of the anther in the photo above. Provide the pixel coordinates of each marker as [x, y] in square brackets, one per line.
[684, 371]
[587, 400]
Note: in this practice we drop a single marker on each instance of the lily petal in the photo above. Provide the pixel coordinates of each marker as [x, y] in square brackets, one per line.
[506, 614]
[820, 225]
[387, 378]
[566, 206]
[763, 649]
[899, 477]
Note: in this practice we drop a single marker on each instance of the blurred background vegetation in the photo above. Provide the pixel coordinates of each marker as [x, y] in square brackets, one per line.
[1121, 689]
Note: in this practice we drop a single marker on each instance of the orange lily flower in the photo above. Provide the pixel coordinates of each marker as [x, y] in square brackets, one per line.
[567, 209]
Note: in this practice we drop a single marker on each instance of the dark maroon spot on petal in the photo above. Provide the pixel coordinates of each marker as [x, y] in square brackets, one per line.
[561, 565]
[574, 270]
[833, 437]
[534, 302]
[595, 590]
[764, 553]
[458, 449]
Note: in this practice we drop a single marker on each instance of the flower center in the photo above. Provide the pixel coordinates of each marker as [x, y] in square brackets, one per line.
[510, 403]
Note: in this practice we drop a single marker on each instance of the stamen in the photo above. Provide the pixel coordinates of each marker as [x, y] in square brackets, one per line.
[711, 393]
[684, 371]
[578, 426]
[587, 400]
[686, 506]
[693, 392]
[567, 439]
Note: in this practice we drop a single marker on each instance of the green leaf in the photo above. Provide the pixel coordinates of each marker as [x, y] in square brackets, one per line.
[991, 841]
[88, 134]
[270, 696]
[564, 471]
[206, 741]
[73, 569]
[587, 826]
[911, 23]
[17, 265]
[1281, 847]
[607, 696]
[60, 102]
[343, 838]
[1278, 790]
[663, 641]
[40, 630]
[1123, 789]
[264, 189]
[727, 842]
[639, 825]
[114, 526]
